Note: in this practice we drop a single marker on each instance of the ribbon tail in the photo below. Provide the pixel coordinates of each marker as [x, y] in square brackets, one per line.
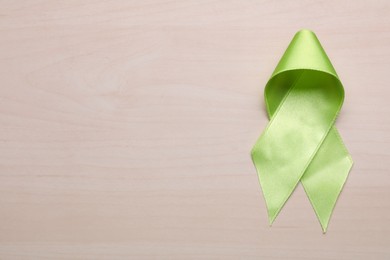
[275, 196]
[325, 177]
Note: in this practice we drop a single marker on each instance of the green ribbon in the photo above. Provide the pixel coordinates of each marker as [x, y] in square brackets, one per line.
[300, 143]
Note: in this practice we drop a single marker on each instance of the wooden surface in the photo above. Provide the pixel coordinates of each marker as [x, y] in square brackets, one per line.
[126, 127]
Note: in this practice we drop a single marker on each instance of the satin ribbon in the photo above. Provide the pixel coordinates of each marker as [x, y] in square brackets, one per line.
[300, 143]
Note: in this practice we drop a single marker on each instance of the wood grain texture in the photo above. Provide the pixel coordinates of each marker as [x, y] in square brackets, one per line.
[126, 128]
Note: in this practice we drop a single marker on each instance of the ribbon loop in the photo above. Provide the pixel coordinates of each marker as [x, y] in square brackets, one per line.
[303, 98]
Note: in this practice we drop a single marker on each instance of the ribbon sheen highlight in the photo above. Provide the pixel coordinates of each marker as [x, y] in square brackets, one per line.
[300, 143]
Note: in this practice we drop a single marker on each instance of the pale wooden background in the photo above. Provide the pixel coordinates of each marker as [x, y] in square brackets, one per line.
[126, 126]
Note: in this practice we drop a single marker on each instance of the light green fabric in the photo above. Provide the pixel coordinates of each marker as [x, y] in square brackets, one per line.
[300, 143]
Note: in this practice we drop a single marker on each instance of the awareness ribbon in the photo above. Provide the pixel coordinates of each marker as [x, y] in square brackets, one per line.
[300, 143]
